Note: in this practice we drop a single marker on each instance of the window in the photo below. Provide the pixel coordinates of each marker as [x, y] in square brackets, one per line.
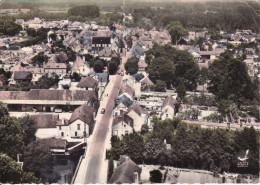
[166, 115]
[78, 126]
[62, 134]
[115, 133]
[59, 127]
[76, 134]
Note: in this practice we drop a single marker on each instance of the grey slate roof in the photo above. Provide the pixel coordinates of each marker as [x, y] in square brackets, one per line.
[124, 100]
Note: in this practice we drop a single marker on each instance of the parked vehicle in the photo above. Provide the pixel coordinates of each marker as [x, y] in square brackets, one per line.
[103, 111]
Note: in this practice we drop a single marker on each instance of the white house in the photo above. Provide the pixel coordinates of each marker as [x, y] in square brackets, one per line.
[80, 67]
[139, 116]
[80, 124]
[168, 108]
[122, 125]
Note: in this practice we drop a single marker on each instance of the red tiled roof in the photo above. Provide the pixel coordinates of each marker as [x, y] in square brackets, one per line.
[87, 82]
[138, 109]
[46, 94]
[83, 113]
[45, 120]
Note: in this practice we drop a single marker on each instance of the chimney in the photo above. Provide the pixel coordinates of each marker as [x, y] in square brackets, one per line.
[62, 121]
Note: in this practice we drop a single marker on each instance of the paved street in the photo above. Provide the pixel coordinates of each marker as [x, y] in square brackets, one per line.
[90, 170]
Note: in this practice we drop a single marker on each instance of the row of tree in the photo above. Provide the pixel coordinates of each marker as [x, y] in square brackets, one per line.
[191, 147]
[8, 26]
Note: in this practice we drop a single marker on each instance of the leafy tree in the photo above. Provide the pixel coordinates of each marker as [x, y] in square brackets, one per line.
[9, 27]
[91, 11]
[117, 60]
[75, 76]
[172, 66]
[40, 59]
[160, 86]
[7, 74]
[156, 176]
[181, 90]
[229, 79]
[144, 129]
[98, 66]
[3, 110]
[11, 136]
[38, 159]
[29, 128]
[161, 69]
[46, 82]
[152, 149]
[112, 67]
[11, 172]
[176, 31]
[131, 65]
[31, 32]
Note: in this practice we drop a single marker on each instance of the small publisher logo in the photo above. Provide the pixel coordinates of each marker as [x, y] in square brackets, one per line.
[243, 161]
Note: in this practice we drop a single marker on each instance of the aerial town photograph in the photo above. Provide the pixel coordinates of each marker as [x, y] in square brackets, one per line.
[129, 91]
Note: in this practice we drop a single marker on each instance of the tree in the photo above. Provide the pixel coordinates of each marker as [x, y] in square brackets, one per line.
[29, 128]
[11, 136]
[31, 32]
[131, 65]
[176, 30]
[161, 69]
[98, 66]
[112, 67]
[144, 129]
[156, 176]
[91, 11]
[46, 82]
[75, 76]
[152, 149]
[38, 159]
[11, 172]
[3, 110]
[40, 59]
[160, 86]
[181, 90]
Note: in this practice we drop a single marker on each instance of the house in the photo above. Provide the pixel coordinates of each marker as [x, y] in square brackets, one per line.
[139, 116]
[80, 67]
[80, 124]
[88, 83]
[122, 104]
[22, 76]
[138, 52]
[45, 100]
[108, 54]
[126, 173]
[45, 125]
[3, 80]
[56, 65]
[146, 84]
[128, 91]
[122, 125]
[168, 108]
[102, 78]
[98, 44]
[142, 65]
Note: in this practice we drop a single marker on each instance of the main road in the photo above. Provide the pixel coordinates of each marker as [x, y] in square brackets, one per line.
[97, 146]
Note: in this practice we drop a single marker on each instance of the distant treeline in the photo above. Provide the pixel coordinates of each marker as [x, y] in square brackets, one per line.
[225, 16]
